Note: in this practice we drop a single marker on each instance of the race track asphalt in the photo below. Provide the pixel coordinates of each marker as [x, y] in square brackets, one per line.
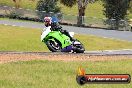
[119, 35]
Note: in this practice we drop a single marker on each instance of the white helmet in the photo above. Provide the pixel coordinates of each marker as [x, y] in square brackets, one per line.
[48, 19]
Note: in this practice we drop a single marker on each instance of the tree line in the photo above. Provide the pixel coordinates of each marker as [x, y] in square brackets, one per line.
[113, 9]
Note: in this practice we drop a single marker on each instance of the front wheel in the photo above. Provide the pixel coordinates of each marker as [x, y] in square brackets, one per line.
[53, 45]
[79, 48]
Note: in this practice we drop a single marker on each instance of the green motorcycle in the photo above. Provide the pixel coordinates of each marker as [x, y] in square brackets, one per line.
[58, 42]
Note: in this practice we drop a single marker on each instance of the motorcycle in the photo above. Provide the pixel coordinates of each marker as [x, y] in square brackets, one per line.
[58, 42]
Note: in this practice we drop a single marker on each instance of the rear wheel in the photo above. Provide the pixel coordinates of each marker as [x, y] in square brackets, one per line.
[53, 46]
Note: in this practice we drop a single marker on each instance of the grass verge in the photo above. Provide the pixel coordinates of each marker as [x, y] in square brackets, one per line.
[25, 39]
[58, 74]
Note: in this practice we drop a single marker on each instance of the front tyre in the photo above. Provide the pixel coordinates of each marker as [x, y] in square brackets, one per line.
[79, 48]
[53, 45]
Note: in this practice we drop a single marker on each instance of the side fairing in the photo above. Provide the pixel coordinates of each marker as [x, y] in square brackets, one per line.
[63, 39]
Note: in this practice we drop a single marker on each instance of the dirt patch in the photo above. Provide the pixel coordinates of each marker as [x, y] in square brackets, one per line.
[4, 58]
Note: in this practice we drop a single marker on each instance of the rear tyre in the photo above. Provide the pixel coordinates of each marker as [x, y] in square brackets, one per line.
[53, 46]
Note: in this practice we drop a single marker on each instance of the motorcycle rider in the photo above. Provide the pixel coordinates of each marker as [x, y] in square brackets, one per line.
[52, 22]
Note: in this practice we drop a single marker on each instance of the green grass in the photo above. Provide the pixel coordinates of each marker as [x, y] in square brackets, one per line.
[27, 4]
[20, 39]
[98, 43]
[58, 74]
[28, 39]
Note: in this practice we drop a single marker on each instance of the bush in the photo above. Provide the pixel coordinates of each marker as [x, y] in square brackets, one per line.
[112, 23]
[116, 9]
[45, 7]
[14, 15]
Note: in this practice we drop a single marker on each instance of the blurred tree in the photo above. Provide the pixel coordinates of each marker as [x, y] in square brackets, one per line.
[82, 4]
[47, 6]
[17, 3]
[130, 7]
[116, 9]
